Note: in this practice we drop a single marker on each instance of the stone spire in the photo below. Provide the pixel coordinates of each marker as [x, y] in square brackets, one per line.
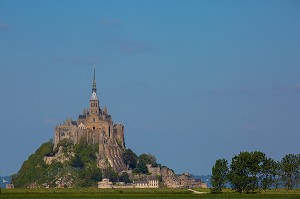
[94, 89]
[105, 110]
[94, 102]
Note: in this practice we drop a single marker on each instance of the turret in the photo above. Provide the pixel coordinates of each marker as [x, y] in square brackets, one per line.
[105, 112]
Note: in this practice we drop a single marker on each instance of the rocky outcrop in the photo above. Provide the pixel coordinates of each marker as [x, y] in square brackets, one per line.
[114, 157]
[60, 156]
[169, 178]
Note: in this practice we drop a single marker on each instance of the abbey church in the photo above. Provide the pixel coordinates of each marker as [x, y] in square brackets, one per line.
[96, 126]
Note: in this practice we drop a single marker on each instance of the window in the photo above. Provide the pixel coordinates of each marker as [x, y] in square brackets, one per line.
[93, 128]
[94, 120]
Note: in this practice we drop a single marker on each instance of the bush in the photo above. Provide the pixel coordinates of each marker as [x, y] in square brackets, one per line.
[111, 174]
[148, 159]
[215, 190]
[141, 167]
[124, 177]
[77, 162]
[90, 176]
[130, 158]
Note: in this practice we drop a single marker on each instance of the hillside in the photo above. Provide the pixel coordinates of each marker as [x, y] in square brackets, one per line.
[77, 172]
[75, 165]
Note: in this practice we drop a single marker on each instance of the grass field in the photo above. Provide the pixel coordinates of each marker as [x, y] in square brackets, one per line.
[139, 193]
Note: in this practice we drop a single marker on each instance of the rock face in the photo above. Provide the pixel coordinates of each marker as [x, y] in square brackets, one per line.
[95, 126]
[169, 178]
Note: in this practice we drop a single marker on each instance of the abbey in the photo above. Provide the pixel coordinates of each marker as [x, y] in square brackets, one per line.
[95, 126]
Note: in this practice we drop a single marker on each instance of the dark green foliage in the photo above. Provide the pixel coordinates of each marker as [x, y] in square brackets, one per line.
[83, 166]
[219, 175]
[148, 159]
[143, 160]
[245, 168]
[269, 171]
[124, 177]
[86, 153]
[89, 177]
[159, 178]
[130, 158]
[290, 170]
[77, 162]
[141, 167]
[253, 171]
[34, 167]
[111, 174]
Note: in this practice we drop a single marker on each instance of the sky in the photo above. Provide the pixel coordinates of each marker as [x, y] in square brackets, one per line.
[192, 81]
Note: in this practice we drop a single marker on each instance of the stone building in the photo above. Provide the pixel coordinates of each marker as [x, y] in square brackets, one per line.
[95, 126]
[105, 184]
[146, 184]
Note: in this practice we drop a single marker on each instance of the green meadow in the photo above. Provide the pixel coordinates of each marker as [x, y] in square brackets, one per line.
[139, 193]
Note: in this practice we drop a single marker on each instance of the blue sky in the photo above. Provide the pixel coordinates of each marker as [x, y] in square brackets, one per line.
[192, 81]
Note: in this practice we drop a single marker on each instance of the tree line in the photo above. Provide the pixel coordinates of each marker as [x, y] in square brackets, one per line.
[254, 171]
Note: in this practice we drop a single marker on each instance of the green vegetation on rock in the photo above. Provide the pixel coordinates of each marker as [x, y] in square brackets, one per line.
[73, 166]
[34, 168]
[130, 158]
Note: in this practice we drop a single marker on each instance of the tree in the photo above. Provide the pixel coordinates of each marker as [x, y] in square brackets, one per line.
[268, 173]
[130, 158]
[77, 162]
[141, 167]
[219, 175]
[111, 174]
[290, 170]
[148, 159]
[124, 177]
[245, 171]
[277, 174]
[89, 177]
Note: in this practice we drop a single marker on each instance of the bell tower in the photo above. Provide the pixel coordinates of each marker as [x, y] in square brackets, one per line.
[94, 102]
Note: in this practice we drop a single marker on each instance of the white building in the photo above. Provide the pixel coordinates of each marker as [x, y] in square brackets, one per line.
[146, 184]
[105, 184]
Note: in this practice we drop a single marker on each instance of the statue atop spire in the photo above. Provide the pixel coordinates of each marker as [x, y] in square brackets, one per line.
[94, 89]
